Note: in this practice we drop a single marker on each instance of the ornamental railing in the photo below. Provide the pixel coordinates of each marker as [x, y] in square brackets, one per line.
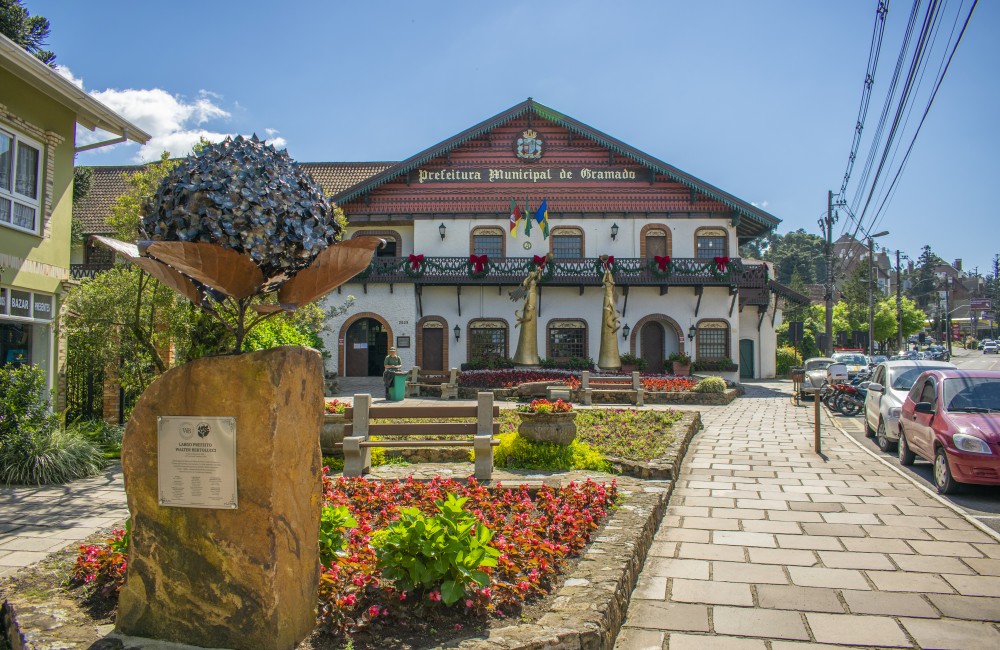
[80, 271]
[481, 270]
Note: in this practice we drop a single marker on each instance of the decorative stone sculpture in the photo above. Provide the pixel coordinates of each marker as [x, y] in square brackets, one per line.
[244, 578]
[608, 358]
[558, 428]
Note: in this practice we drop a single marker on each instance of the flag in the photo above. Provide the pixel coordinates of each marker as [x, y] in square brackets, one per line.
[527, 218]
[515, 216]
[542, 217]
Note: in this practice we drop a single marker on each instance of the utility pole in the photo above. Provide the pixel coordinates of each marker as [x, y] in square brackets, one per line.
[947, 313]
[871, 297]
[827, 225]
[899, 309]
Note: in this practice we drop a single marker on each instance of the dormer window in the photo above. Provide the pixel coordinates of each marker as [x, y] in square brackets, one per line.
[488, 241]
[711, 243]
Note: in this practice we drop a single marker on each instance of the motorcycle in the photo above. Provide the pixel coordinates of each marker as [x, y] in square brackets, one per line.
[849, 398]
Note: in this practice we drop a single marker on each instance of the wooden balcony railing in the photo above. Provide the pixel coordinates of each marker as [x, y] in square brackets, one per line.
[565, 272]
[80, 271]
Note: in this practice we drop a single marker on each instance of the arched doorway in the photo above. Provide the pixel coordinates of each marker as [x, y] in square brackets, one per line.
[651, 346]
[365, 347]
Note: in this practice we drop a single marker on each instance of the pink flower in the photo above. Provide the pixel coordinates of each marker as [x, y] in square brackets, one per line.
[523, 585]
[402, 596]
[487, 594]
[435, 596]
[359, 581]
[350, 599]
[468, 603]
[373, 611]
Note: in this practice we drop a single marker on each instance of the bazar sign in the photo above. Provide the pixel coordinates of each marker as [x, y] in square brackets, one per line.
[533, 174]
[25, 304]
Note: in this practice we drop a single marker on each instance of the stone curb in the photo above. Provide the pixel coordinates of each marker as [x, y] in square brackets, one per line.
[590, 607]
[931, 493]
[663, 468]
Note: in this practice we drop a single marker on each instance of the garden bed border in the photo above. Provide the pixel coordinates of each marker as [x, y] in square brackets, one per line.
[651, 397]
[663, 468]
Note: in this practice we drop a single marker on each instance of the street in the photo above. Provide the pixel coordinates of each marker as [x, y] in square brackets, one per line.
[982, 502]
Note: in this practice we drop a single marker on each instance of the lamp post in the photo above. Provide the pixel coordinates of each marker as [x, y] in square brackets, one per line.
[871, 290]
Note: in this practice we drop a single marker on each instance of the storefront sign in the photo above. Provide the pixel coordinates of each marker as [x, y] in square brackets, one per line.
[533, 174]
[3, 301]
[41, 307]
[197, 462]
[20, 303]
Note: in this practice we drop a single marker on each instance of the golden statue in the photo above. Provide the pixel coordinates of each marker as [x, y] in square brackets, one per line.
[608, 358]
[527, 318]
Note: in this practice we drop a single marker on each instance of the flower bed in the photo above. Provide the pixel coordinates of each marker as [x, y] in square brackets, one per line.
[512, 377]
[520, 542]
[668, 384]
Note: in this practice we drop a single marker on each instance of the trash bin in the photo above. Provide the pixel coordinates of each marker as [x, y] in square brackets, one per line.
[397, 391]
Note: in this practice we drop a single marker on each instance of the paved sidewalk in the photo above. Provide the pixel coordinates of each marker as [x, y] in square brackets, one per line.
[767, 545]
[36, 521]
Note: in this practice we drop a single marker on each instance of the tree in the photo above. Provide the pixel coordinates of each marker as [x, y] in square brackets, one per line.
[30, 32]
[795, 251]
[923, 282]
[855, 294]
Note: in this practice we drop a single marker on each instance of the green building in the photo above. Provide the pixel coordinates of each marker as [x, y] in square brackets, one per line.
[39, 114]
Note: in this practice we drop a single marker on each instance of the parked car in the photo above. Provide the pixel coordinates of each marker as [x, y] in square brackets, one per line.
[886, 392]
[938, 353]
[990, 348]
[855, 361]
[877, 359]
[952, 418]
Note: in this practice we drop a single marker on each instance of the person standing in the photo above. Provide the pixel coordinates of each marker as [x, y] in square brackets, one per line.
[391, 365]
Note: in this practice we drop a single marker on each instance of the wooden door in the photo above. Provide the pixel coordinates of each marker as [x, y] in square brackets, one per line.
[746, 359]
[656, 245]
[651, 346]
[356, 350]
[433, 349]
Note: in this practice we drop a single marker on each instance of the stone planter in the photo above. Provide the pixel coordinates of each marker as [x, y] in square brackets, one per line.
[558, 428]
[332, 433]
[629, 368]
[681, 369]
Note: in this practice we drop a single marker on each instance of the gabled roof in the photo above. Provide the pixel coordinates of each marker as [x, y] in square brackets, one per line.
[89, 112]
[761, 221]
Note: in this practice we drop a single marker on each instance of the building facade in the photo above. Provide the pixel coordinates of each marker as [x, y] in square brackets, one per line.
[439, 290]
[39, 112]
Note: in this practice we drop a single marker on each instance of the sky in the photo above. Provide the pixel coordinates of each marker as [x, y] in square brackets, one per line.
[758, 98]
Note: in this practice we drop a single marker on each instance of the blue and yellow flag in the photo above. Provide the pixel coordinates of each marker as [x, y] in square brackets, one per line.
[542, 217]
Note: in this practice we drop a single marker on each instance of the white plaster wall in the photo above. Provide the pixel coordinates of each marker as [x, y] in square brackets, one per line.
[397, 308]
[597, 236]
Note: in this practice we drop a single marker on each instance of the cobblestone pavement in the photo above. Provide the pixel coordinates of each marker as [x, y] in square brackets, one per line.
[36, 521]
[767, 545]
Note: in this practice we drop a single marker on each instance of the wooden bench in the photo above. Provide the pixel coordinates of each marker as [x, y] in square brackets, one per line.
[357, 434]
[631, 385]
[446, 380]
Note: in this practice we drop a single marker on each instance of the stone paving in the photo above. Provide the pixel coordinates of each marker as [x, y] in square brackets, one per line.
[36, 521]
[767, 545]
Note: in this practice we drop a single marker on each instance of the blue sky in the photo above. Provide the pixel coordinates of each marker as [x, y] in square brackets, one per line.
[758, 98]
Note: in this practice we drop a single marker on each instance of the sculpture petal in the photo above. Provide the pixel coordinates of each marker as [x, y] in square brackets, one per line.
[264, 308]
[223, 269]
[337, 264]
[125, 249]
[170, 277]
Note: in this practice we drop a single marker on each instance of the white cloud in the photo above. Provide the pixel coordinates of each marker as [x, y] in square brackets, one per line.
[760, 204]
[68, 74]
[274, 139]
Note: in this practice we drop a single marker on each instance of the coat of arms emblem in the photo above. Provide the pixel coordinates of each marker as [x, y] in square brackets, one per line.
[528, 147]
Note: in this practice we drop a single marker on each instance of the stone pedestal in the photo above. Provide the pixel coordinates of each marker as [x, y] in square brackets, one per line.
[559, 428]
[244, 578]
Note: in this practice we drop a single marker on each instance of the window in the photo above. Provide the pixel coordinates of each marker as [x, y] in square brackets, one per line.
[488, 241]
[567, 243]
[710, 243]
[654, 241]
[567, 339]
[929, 392]
[393, 242]
[487, 339]
[712, 341]
[20, 176]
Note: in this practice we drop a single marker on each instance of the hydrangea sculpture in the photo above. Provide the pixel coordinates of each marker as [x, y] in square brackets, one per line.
[239, 220]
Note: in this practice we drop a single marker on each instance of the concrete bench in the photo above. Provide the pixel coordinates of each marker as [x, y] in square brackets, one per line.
[411, 435]
[446, 380]
[632, 386]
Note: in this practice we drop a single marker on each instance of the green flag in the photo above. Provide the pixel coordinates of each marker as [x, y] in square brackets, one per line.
[527, 220]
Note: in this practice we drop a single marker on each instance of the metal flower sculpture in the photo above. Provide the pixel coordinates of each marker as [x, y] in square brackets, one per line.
[239, 221]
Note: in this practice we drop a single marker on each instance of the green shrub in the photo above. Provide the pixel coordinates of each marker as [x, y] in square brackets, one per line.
[517, 452]
[710, 385]
[971, 343]
[108, 437]
[446, 551]
[724, 364]
[33, 450]
[786, 357]
[629, 359]
[333, 525]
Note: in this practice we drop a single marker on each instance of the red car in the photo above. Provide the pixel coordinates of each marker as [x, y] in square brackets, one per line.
[952, 418]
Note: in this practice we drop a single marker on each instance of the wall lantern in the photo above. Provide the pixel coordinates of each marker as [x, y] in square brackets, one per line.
[625, 331]
[457, 330]
[441, 229]
[614, 231]
[691, 332]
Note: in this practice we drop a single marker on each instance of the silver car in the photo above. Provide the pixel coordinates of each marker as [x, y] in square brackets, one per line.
[891, 381]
